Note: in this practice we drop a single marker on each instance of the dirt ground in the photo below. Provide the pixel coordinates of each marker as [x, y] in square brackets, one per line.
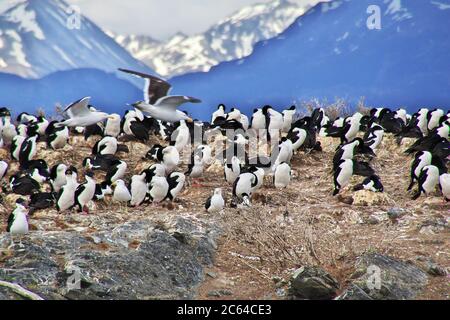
[284, 229]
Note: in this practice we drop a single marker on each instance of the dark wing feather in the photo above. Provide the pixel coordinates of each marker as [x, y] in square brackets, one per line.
[79, 191]
[255, 183]
[156, 87]
[10, 222]
[139, 131]
[208, 203]
[234, 185]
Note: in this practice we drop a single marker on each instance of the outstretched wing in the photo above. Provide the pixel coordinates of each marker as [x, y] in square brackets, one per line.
[154, 89]
[175, 101]
[77, 109]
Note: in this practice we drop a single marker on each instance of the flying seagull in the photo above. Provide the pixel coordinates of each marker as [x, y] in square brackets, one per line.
[78, 114]
[157, 102]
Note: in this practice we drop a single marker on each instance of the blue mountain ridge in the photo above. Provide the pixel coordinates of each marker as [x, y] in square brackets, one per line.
[109, 93]
[330, 52]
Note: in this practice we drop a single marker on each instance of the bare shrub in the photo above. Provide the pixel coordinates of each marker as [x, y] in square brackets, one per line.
[362, 108]
[339, 108]
[280, 241]
[40, 112]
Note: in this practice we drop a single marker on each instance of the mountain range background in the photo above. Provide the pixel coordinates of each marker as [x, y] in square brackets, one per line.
[278, 53]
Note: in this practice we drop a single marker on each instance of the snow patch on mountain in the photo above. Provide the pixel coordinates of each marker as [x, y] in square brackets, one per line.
[231, 38]
[36, 41]
[398, 12]
[441, 6]
[25, 20]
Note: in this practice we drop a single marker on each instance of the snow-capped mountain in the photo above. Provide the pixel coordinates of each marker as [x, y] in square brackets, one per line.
[230, 39]
[135, 43]
[38, 37]
[330, 52]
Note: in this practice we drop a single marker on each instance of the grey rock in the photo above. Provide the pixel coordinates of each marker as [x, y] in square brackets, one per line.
[436, 270]
[281, 292]
[220, 293]
[372, 220]
[395, 213]
[163, 266]
[313, 283]
[380, 277]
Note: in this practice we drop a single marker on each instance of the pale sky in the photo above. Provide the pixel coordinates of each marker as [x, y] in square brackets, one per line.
[159, 18]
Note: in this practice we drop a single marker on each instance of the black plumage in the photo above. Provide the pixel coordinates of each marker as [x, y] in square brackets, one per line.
[311, 132]
[389, 122]
[25, 153]
[441, 149]
[208, 202]
[41, 201]
[371, 182]
[425, 144]
[100, 162]
[155, 153]
[139, 130]
[93, 130]
[23, 185]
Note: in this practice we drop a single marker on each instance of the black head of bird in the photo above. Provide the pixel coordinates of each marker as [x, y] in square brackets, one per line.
[73, 169]
[86, 162]
[366, 122]
[22, 202]
[266, 108]
[4, 112]
[89, 174]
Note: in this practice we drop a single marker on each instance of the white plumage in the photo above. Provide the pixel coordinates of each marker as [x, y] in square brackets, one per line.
[138, 190]
[282, 176]
[66, 198]
[121, 192]
[444, 183]
[158, 190]
[215, 203]
[112, 127]
[232, 170]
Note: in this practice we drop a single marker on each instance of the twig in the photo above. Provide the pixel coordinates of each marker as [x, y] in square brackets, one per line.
[255, 268]
[18, 270]
[20, 291]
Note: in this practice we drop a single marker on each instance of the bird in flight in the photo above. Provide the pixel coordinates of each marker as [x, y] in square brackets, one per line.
[79, 114]
[157, 103]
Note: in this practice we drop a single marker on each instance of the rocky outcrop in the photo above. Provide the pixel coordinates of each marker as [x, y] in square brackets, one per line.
[379, 277]
[312, 283]
[137, 260]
